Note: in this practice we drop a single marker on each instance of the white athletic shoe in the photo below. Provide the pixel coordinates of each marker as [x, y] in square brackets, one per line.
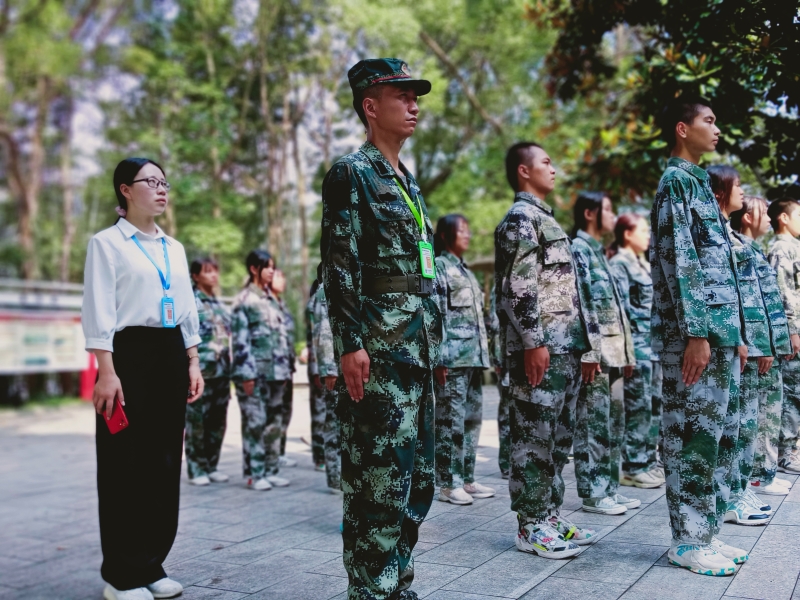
[285, 461]
[741, 513]
[544, 541]
[201, 480]
[784, 482]
[476, 490]
[165, 588]
[260, 485]
[112, 593]
[659, 473]
[218, 477]
[753, 500]
[773, 489]
[790, 463]
[277, 481]
[702, 559]
[605, 506]
[571, 532]
[645, 480]
[626, 502]
[737, 555]
[454, 496]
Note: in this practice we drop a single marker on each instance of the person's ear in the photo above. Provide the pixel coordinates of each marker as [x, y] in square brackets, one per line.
[125, 189]
[369, 106]
[747, 220]
[590, 215]
[524, 171]
[680, 129]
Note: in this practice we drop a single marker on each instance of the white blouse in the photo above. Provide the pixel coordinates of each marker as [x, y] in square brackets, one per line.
[122, 288]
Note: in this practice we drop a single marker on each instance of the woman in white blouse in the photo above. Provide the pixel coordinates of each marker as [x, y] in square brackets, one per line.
[140, 319]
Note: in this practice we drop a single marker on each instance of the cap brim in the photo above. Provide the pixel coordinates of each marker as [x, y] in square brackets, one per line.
[420, 86]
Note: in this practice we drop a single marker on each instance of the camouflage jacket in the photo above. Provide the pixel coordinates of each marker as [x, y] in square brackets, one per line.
[215, 336]
[603, 300]
[369, 231]
[260, 341]
[693, 269]
[756, 325]
[537, 296]
[460, 298]
[322, 337]
[290, 331]
[492, 324]
[632, 275]
[308, 320]
[784, 257]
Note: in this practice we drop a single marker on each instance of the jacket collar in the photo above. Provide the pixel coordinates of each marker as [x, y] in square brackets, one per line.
[451, 258]
[691, 168]
[593, 243]
[128, 229]
[531, 199]
[786, 237]
[382, 165]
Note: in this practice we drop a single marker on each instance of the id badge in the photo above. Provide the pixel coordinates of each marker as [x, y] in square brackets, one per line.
[167, 312]
[426, 260]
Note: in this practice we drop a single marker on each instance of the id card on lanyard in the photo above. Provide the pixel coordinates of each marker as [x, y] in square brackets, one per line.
[427, 265]
[167, 303]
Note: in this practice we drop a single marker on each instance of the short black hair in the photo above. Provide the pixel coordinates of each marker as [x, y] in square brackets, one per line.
[682, 109]
[126, 172]
[517, 155]
[198, 263]
[446, 229]
[587, 201]
[374, 91]
[778, 208]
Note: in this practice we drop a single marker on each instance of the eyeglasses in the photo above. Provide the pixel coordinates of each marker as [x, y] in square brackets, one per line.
[153, 183]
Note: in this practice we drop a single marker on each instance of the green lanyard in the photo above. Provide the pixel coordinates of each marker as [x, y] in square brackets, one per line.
[416, 210]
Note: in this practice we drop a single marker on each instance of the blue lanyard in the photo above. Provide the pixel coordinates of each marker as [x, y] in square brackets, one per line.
[165, 281]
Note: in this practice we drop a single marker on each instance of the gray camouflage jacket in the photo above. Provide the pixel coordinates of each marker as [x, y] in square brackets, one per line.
[784, 257]
[756, 324]
[632, 275]
[322, 337]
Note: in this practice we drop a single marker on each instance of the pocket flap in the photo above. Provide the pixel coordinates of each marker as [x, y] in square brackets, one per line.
[461, 297]
[556, 304]
[552, 233]
[751, 313]
[705, 210]
[391, 211]
[720, 294]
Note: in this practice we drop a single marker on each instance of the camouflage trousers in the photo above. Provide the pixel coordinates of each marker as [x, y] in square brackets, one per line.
[770, 402]
[459, 414]
[790, 411]
[387, 476]
[504, 427]
[332, 456]
[692, 425]
[262, 413]
[642, 399]
[317, 402]
[542, 425]
[599, 433]
[655, 443]
[205, 427]
[286, 412]
[742, 468]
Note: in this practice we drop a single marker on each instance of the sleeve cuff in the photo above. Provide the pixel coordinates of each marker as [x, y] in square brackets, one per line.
[350, 343]
[593, 356]
[99, 344]
[533, 340]
[191, 341]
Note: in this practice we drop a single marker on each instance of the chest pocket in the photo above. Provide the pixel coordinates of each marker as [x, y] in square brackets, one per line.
[744, 264]
[603, 298]
[394, 227]
[461, 295]
[641, 292]
[556, 245]
[708, 226]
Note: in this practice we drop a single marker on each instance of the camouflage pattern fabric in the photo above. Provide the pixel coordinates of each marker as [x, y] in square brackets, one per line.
[289, 330]
[261, 427]
[692, 427]
[771, 293]
[323, 350]
[503, 407]
[286, 412]
[726, 475]
[632, 275]
[206, 418]
[214, 350]
[317, 402]
[655, 441]
[319, 341]
[387, 476]
[770, 402]
[790, 410]
[748, 429]
[459, 414]
[460, 300]
[754, 311]
[332, 457]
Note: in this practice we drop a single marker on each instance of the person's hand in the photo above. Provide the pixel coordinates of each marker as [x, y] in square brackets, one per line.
[795, 345]
[107, 388]
[330, 382]
[440, 375]
[196, 383]
[627, 371]
[742, 358]
[764, 364]
[498, 371]
[248, 387]
[355, 368]
[537, 361]
[588, 371]
[317, 381]
[695, 359]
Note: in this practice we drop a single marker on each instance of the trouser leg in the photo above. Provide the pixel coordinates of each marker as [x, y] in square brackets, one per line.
[216, 420]
[727, 475]
[616, 430]
[790, 411]
[592, 446]
[331, 438]
[473, 419]
[274, 393]
[638, 399]
[286, 412]
[504, 427]
[194, 435]
[748, 426]
[451, 401]
[770, 403]
[253, 408]
[317, 399]
[655, 441]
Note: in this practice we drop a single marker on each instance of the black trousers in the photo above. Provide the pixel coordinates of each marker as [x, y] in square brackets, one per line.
[139, 468]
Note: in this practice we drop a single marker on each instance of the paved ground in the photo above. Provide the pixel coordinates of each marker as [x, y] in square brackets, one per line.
[284, 544]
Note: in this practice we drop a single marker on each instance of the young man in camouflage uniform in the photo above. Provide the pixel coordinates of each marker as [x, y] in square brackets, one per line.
[206, 418]
[696, 329]
[784, 256]
[544, 332]
[376, 247]
[316, 389]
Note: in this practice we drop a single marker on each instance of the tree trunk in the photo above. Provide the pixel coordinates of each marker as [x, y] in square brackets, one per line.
[301, 209]
[68, 198]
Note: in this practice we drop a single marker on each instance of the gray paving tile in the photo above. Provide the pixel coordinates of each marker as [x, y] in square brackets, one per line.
[429, 577]
[506, 523]
[660, 583]
[560, 588]
[241, 532]
[647, 496]
[423, 547]
[333, 567]
[643, 529]
[447, 526]
[787, 514]
[445, 595]
[305, 586]
[741, 530]
[469, 550]
[612, 562]
[771, 572]
[200, 593]
[194, 571]
[185, 548]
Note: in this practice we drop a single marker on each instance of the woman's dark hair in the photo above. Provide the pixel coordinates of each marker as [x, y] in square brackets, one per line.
[587, 201]
[625, 222]
[126, 172]
[722, 179]
[446, 231]
[198, 263]
[748, 206]
[258, 259]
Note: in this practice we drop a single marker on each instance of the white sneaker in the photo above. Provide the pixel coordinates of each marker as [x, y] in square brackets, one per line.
[260, 485]
[285, 461]
[454, 496]
[605, 506]
[753, 500]
[277, 481]
[790, 463]
[773, 489]
[645, 480]
[202, 480]
[571, 532]
[320, 467]
[476, 490]
[165, 588]
[111, 593]
[626, 502]
[702, 559]
[544, 541]
[737, 555]
[658, 473]
[218, 477]
[741, 513]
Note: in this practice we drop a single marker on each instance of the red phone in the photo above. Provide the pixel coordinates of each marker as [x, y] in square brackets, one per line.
[118, 420]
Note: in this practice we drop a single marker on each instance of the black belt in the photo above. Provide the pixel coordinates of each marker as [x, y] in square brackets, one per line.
[412, 284]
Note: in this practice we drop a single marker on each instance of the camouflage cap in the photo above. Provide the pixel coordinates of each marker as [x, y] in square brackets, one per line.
[374, 71]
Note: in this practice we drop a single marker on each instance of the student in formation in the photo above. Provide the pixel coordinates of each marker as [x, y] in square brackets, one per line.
[737, 446]
[464, 355]
[206, 418]
[750, 223]
[600, 419]
[784, 256]
[260, 369]
[696, 329]
[316, 390]
[544, 331]
[278, 287]
[642, 390]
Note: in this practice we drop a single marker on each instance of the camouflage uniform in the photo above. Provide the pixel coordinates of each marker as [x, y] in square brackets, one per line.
[784, 257]
[600, 429]
[316, 393]
[260, 353]
[503, 406]
[538, 304]
[642, 390]
[370, 236]
[288, 392]
[206, 417]
[694, 295]
[465, 353]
